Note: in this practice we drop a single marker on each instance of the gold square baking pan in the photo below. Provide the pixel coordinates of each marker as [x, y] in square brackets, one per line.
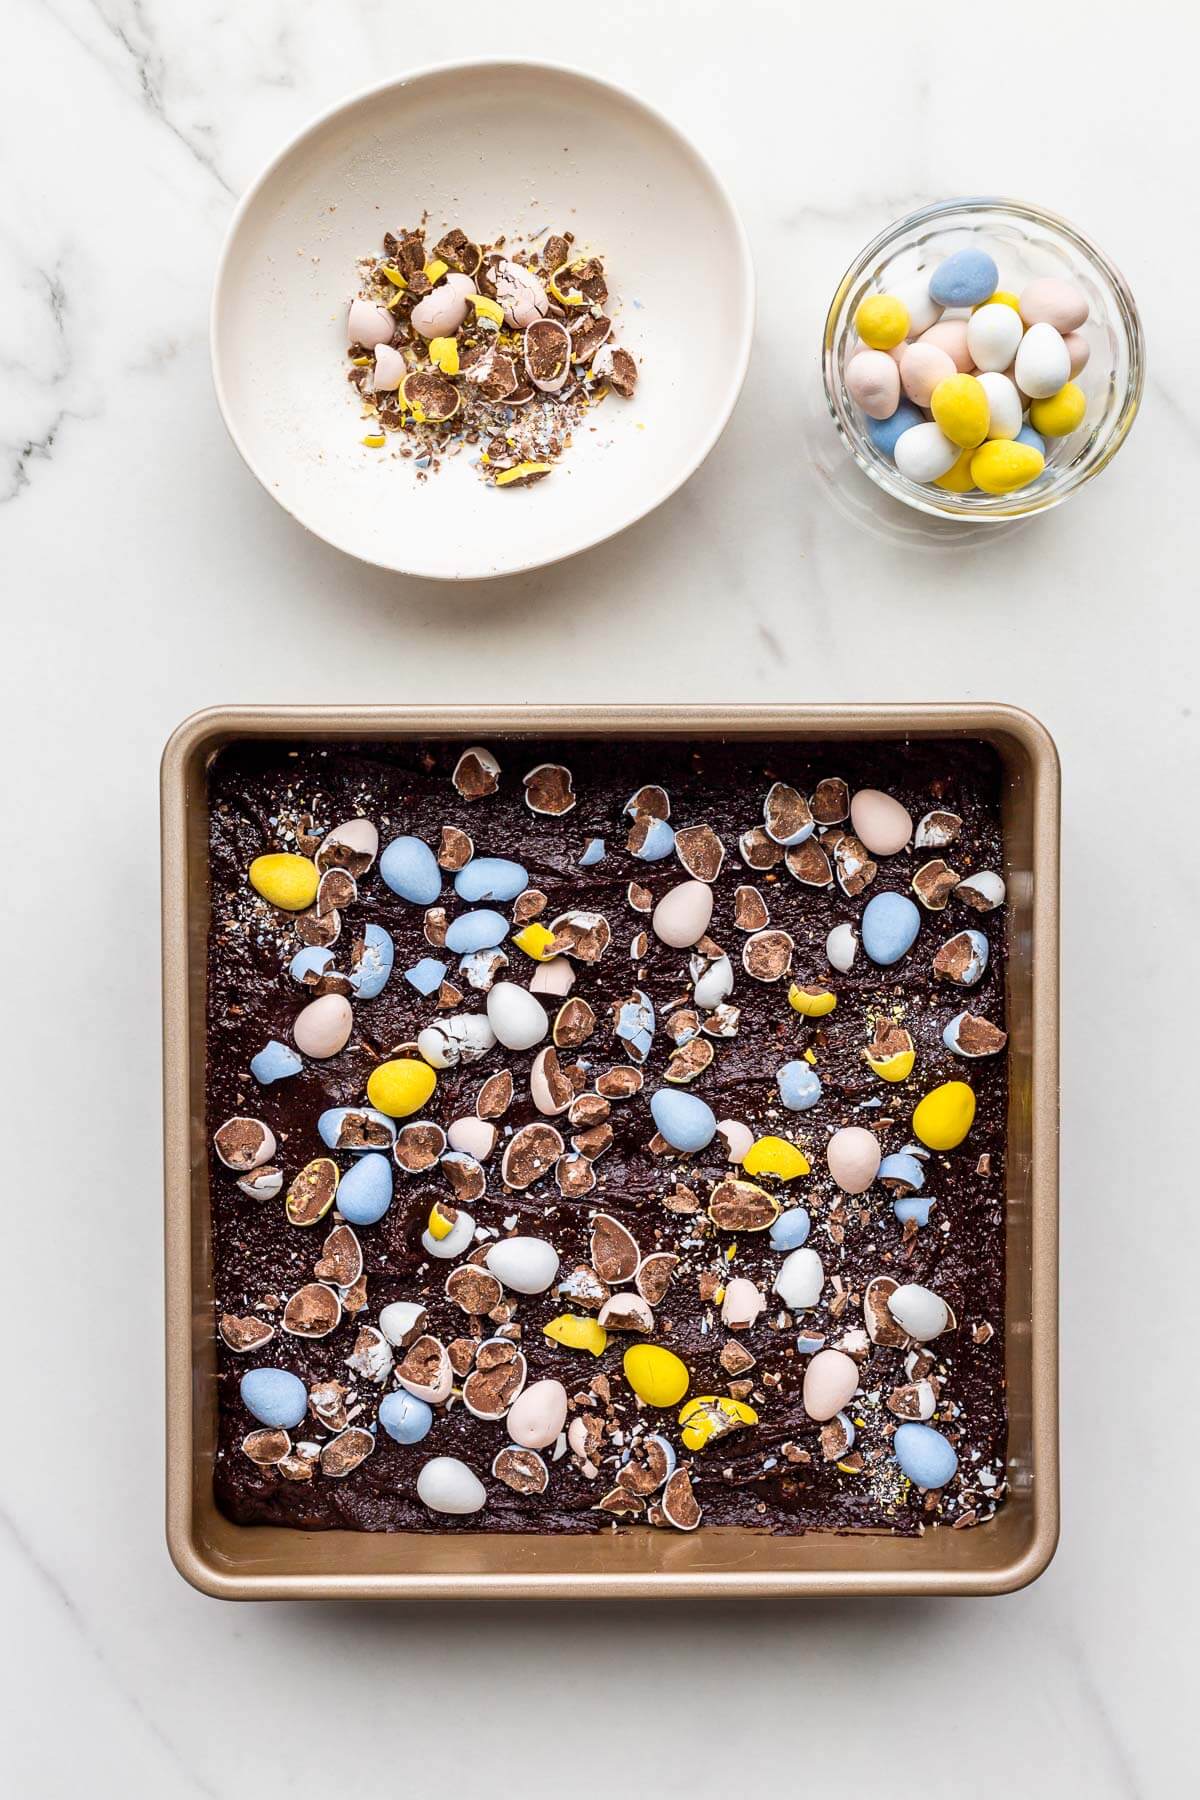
[258, 1562]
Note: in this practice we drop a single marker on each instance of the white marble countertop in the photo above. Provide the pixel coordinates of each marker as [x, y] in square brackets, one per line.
[145, 575]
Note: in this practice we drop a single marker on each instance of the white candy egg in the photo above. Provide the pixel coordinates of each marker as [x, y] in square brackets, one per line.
[714, 984]
[738, 1138]
[446, 1485]
[517, 1017]
[1004, 402]
[1043, 362]
[555, 976]
[323, 1027]
[915, 297]
[441, 313]
[526, 1265]
[853, 1155]
[457, 1240]
[919, 1311]
[924, 452]
[434, 1392]
[538, 1415]
[993, 333]
[368, 324]
[683, 915]
[841, 947]
[800, 1280]
[540, 1090]
[400, 1319]
[462, 1038]
[477, 1137]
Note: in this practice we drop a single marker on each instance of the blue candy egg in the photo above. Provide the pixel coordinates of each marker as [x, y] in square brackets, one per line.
[373, 965]
[275, 1397]
[593, 854]
[791, 1228]
[329, 1126]
[884, 433]
[410, 869]
[799, 1085]
[889, 928]
[312, 961]
[687, 1122]
[1027, 435]
[926, 1457]
[636, 1025]
[491, 878]
[967, 278]
[660, 841]
[905, 1168]
[426, 976]
[365, 1190]
[913, 1207]
[404, 1417]
[275, 1062]
[478, 930]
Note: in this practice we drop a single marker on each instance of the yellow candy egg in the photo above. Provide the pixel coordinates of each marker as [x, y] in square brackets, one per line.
[704, 1418]
[439, 1225]
[535, 941]
[486, 308]
[775, 1156]
[893, 1068]
[1001, 297]
[443, 354]
[400, 1087]
[960, 406]
[958, 478]
[656, 1376]
[811, 1002]
[286, 881]
[944, 1117]
[882, 321]
[577, 1333]
[1061, 414]
[1003, 465]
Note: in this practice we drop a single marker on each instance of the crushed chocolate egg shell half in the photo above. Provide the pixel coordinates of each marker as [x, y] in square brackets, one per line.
[497, 350]
[648, 1182]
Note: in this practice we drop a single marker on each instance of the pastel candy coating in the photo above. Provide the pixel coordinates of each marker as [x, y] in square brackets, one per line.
[373, 967]
[274, 1397]
[1002, 466]
[311, 959]
[491, 878]
[950, 335]
[873, 381]
[1052, 301]
[660, 841]
[410, 869]
[400, 1087]
[960, 407]
[593, 853]
[287, 881]
[404, 1417]
[1079, 350]
[1004, 404]
[365, 1190]
[881, 321]
[958, 478]
[902, 1165]
[799, 1085]
[274, 1062]
[922, 309]
[913, 1207]
[330, 1123]
[885, 433]
[427, 975]
[1033, 439]
[922, 367]
[943, 1118]
[368, 324]
[1061, 414]
[925, 452]
[447, 1485]
[964, 279]
[687, 1122]
[1043, 362]
[993, 333]
[925, 1456]
[479, 930]
[790, 1229]
[889, 928]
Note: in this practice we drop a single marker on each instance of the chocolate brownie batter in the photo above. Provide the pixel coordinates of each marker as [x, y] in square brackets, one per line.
[774, 1475]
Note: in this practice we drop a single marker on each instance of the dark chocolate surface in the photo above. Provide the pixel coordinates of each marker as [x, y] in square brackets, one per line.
[770, 1476]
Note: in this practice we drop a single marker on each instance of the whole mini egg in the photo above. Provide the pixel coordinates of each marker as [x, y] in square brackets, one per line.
[922, 367]
[323, 1027]
[517, 1017]
[683, 915]
[490, 878]
[538, 1415]
[853, 1156]
[880, 821]
[1052, 301]
[365, 1190]
[410, 869]
[873, 381]
[525, 1265]
[829, 1383]
[447, 1485]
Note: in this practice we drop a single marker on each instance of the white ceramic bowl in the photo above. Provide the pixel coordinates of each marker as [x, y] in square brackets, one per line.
[494, 147]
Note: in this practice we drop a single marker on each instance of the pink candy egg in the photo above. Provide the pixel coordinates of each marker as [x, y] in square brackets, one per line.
[368, 324]
[873, 380]
[323, 1027]
[1049, 301]
[390, 369]
[950, 335]
[853, 1156]
[921, 368]
[830, 1381]
[1079, 350]
[538, 1415]
[881, 822]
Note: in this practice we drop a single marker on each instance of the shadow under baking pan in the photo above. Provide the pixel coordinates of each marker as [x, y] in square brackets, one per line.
[999, 1556]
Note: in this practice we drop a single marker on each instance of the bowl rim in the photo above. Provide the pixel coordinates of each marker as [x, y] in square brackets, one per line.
[926, 500]
[737, 364]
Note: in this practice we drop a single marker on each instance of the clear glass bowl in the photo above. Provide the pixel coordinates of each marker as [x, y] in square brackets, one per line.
[1026, 242]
